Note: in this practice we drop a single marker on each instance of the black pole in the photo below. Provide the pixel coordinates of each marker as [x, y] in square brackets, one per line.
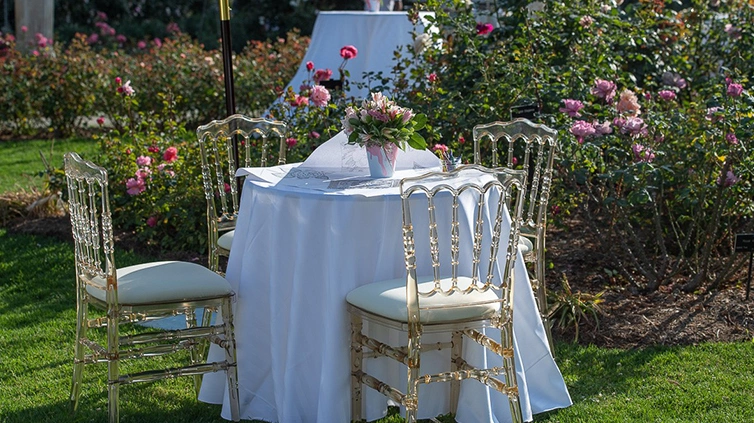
[748, 278]
[230, 100]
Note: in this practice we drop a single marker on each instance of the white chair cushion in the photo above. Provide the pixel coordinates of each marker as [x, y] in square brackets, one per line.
[164, 281]
[226, 240]
[525, 245]
[388, 299]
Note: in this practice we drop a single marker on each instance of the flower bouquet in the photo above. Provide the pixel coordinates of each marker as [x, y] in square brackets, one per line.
[381, 126]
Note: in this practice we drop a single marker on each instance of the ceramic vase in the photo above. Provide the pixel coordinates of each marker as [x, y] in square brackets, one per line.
[382, 159]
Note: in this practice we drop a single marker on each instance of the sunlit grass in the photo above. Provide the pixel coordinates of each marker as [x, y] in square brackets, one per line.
[705, 383]
[20, 161]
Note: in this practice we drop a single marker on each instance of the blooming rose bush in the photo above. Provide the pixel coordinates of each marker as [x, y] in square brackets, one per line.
[653, 104]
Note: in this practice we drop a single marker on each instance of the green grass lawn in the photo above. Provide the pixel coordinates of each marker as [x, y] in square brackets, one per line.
[706, 383]
[20, 161]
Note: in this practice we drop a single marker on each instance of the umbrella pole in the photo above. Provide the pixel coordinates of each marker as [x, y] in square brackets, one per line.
[230, 100]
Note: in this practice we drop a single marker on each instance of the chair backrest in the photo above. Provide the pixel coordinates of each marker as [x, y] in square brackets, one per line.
[528, 146]
[254, 138]
[91, 224]
[488, 204]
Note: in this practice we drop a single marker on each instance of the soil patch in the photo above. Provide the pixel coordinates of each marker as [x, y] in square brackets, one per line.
[631, 319]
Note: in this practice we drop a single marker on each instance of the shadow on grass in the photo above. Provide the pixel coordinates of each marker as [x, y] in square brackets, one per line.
[591, 372]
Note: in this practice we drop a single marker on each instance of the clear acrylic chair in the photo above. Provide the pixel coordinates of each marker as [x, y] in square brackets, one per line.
[460, 249]
[259, 140]
[531, 147]
[138, 293]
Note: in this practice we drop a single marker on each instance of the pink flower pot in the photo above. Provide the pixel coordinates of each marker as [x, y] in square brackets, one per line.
[381, 160]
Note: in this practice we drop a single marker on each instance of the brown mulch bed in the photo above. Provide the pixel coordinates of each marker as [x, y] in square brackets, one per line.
[629, 319]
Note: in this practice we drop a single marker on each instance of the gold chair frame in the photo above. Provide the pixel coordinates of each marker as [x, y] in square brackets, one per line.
[216, 143]
[509, 186]
[91, 223]
[536, 145]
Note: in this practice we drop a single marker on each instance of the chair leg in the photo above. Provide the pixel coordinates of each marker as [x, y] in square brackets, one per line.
[455, 384]
[78, 355]
[542, 298]
[414, 361]
[197, 350]
[357, 359]
[509, 364]
[113, 384]
[230, 358]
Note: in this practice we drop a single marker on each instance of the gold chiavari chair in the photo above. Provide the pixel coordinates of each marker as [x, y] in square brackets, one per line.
[135, 294]
[531, 147]
[254, 137]
[454, 232]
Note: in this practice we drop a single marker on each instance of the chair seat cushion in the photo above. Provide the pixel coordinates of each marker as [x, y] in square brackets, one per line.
[226, 239]
[525, 245]
[164, 281]
[388, 299]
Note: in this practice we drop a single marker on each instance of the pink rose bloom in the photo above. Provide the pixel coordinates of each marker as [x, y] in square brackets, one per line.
[135, 186]
[291, 142]
[120, 38]
[118, 80]
[572, 107]
[348, 52]
[299, 101]
[314, 134]
[126, 89]
[730, 179]
[158, 42]
[309, 65]
[143, 161]
[634, 126]
[100, 120]
[226, 187]
[319, 96]
[170, 155]
[715, 114]
[440, 147]
[604, 89]
[484, 29]
[35, 53]
[322, 75]
[92, 39]
[732, 31]
[582, 129]
[432, 77]
[731, 138]
[24, 28]
[601, 129]
[628, 103]
[152, 221]
[141, 45]
[586, 21]
[666, 95]
[173, 28]
[153, 149]
[735, 90]
[642, 153]
[102, 16]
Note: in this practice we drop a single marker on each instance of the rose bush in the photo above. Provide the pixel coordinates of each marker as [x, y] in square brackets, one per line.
[652, 101]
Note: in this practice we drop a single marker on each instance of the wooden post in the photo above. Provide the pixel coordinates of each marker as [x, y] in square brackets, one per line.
[38, 17]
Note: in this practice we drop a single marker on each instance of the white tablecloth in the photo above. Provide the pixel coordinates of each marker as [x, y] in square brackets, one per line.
[375, 34]
[297, 252]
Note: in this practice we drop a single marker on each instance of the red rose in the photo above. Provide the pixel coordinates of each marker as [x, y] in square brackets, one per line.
[170, 155]
[348, 52]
